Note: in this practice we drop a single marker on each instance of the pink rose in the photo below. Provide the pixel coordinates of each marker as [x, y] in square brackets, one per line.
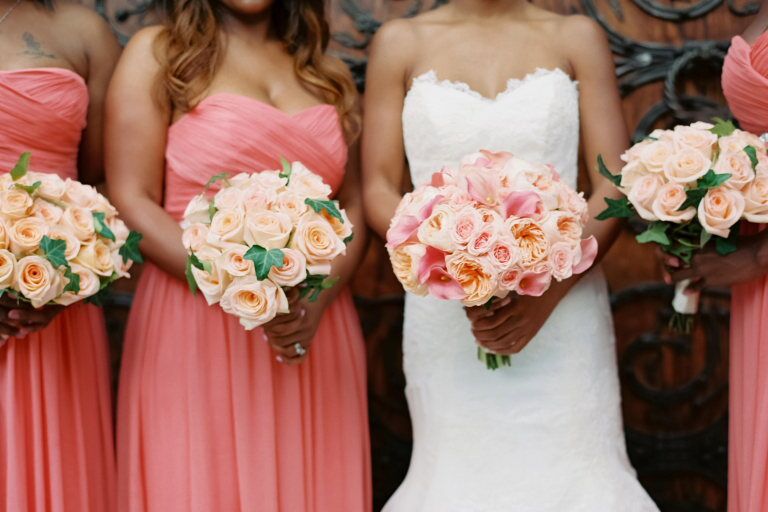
[267, 229]
[720, 209]
[561, 260]
[467, 224]
[756, 201]
[503, 254]
[686, 166]
[643, 193]
[669, 199]
[305, 183]
[482, 242]
[510, 278]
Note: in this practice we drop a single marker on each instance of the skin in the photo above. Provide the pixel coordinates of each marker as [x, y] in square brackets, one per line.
[254, 65]
[471, 41]
[74, 38]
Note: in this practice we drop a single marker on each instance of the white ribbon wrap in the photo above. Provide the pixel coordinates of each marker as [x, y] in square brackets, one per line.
[685, 303]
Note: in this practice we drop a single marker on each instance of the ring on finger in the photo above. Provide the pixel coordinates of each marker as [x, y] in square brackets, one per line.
[299, 348]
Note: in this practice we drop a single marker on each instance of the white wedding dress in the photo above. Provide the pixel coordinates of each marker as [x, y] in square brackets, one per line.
[544, 435]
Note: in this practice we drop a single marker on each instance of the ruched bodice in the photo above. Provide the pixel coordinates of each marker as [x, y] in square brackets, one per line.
[745, 83]
[233, 133]
[42, 110]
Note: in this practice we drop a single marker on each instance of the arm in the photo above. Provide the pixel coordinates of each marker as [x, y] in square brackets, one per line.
[135, 140]
[511, 324]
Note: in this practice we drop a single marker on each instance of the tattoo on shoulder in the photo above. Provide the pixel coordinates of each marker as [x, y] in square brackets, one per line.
[33, 48]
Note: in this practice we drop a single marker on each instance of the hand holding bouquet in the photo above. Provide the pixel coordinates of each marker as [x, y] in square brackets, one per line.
[60, 240]
[260, 234]
[493, 226]
[693, 186]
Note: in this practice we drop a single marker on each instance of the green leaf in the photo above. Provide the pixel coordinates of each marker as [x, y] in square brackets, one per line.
[324, 204]
[712, 179]
[216, 178]
[287, 169]
[29, 189]
[264, 259]
[54, 251]
[693, 198]
[130, 249]
[99, 298]
[684, 253]
[725, 246]
[190, 276]
[656, 232]
[100, 225]
[74, 281]
[199, 264]
[349, 239]
[706, 236]
[21, 167]
[314, 285]
[604, 171]
[752, 154]
[617, 209]
[722, 127]
[212, 211]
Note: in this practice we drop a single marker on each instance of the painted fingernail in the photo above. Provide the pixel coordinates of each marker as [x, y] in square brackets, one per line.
[280, 359]
[667, 279]
[14, 314]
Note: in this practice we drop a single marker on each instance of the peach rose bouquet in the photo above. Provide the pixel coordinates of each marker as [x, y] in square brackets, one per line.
[259, 234]
[692, 186]
[60, 241]
[492, 226]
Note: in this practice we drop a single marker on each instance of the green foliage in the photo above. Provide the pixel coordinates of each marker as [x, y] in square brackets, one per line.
[325, 204]
[604, 171]
[314, 285]
[130, 249]
[100, 225]
[617, 209]
[21, 167]
[264, 259]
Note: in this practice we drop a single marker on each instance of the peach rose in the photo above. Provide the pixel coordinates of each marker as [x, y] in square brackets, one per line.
[89, 286]
[438, 228]
[739, 166]
[631, 173]
[122, 266]
[213, 283]
[227, 226]
[195, 236]
[503, 254]
[3, 235]
[756, 201]
[482, 242]
[563, 226]
[51, 186]
[305, 183]
[198, 210]
[530, 239]
[79, 221]
[654, 155]
[669, 199]
[233, 261]
[268, 229]
[254, 302]
[291, 204]
[761, 169]
[49, 212]
[509, 279]
[643, 194]
[695, 137]
[78, 194]
[467, 224]
[96, 256]
[270, 180]
[101, 204]
[294, 269]
[736, 142]
[37, 280]
[343, 229]
[405, 263]
[119, 229]
[257, 199]
[686, 166]
[229, 198]
[720, 209]
[562, 256]
[316, 240]
[15, 203]
[25, 235]
[240, 179]
[73, 244]
[7, 269]
[474, 275]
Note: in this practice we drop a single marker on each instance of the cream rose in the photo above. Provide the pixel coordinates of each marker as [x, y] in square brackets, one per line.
[405, 263]
[739, 166]
[3, 235]
[686, 166]
[654, 155]
[474, 275]
[695, 137]
[25, 235]
[254, 302]
[736, 142]
[720, 209]
[212, 284]
[294, 269]
[316, 240]
[198, 211]
[80, 222]
[438, 228]
[343, 228]
[195, 236]
[643, 194]
[227, 226]
[89, 286]
[37, 280]
[96, 256]
[229, 198]
[79, 194]
[669, 199]
[7, 269]
[15, 203]
[562, 256]
[268, 229]
[632, 172]
[73, 244]
[119, 229]
[233, 261]
[291, 204]
[121, 265]
[756, 201]
[49, 212]
[530, 240]
[51, 187]
[307, 184]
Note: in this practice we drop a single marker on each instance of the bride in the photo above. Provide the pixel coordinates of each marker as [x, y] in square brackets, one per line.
[544, 435]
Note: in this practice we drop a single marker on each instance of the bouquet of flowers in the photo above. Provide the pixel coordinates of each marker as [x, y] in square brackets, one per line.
[692, 186]
[494, 225]
[60, 240]
[262, 233]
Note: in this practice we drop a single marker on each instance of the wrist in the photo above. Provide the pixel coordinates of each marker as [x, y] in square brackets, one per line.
[760, 254]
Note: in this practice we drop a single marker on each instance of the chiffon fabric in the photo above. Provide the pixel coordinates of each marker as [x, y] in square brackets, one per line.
[56, 436]
[208, 419]
[745, 83]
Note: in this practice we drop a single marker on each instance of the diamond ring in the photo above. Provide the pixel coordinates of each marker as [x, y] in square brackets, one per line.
[300, 350]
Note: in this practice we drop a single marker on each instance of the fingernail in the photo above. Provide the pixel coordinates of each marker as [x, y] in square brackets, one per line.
[14, 314]
[280, 359]
[667, 279]
[23, 333]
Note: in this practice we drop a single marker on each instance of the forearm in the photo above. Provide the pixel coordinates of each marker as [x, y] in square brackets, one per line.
[344, 267]
[381, 201]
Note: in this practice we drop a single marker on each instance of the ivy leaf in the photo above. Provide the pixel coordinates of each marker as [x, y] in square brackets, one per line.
[684, 253]
[726, 246]
[130, 249]
[54, 251]
[349, 239]
[287, 170]
[199, 264]
[706, 236]
[74, 281]
[722, 127]
[314, 285]
[29, 189]
[324, 204]
[212, 211]
[100, 224]
[712, 179]
[190, 276]
[21, 167]
[98, 298]
[693, 198]
[604, 171]
[216, 178]
[657, 233]
[752, 154]
[617, 209]
[264, 259]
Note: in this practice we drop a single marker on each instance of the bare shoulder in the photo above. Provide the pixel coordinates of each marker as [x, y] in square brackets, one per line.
[581, 34]
[395, 35]
[84, 23]
[141, 48]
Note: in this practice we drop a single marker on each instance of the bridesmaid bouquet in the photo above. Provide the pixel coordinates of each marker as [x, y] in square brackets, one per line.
[692, 185]
[60, 241]
[493, 226]
[262, 233]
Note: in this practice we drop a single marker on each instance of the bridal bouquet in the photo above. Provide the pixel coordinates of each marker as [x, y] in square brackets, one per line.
[692, 185]
[262, 233]
[60, 241]
[494, 225]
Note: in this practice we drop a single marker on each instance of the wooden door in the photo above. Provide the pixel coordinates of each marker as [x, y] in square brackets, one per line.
[668, 57]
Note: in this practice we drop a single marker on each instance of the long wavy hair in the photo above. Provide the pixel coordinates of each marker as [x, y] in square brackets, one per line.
[190, 50]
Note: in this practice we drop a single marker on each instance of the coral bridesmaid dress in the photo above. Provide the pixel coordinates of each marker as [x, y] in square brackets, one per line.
[208, 419]
[745, 83]
[56, 448]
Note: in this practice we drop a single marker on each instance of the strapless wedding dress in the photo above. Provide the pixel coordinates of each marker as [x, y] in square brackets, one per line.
[544, 435]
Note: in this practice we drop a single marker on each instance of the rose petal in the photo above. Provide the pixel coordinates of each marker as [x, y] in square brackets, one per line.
[588, 255]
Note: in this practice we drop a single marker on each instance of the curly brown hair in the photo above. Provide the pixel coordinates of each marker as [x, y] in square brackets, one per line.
[190, 51]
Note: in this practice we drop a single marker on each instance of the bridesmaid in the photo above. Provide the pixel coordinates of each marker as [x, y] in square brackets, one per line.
[212, 417]
[745, 84]
[56, 448]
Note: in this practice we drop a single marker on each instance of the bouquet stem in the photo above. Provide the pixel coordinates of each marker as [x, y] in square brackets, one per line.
[493, 361]
[686, 305]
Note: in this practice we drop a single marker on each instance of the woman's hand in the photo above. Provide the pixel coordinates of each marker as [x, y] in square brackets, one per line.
[508, 325]
[19, 319]
[298, 326]
[708, 268]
